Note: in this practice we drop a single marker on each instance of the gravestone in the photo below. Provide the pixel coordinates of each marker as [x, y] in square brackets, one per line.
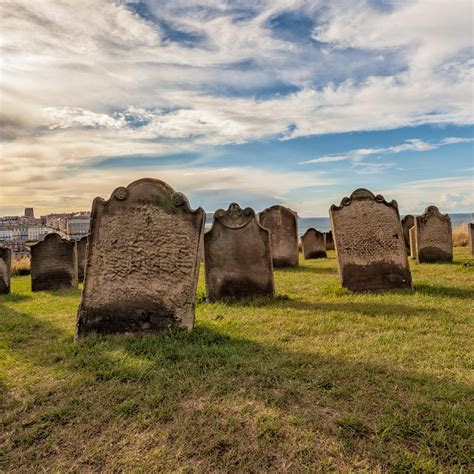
[329, 240]
[238, 262]
[283, 226]
[369, 243]
[53, 264]
[81, 246]
[5, 269]
[142, 261]
[411, 233]
[314, 244]
[470, 236]
[407, 223]
[434, 238]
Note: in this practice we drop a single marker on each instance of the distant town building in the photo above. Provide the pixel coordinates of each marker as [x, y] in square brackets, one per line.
[29, 213]
[78, 226]
[37, 232]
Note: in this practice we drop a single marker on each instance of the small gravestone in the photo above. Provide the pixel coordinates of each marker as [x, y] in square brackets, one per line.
[369, 243]
[81, 246]
[470, 236]
[314, 244]
[142, 261]
[412, 237]
[238, 262]
[53, 264]
[434, 238]
[283, 226]
[329, 240]
[5, 269]
[407, 223]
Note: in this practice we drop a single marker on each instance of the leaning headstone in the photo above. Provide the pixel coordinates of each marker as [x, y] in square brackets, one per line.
[434, 238]
[238, 262]
[5, 269]
[470, 236]
[283, 226]
[81, 246]
[369, 243]
[314, 244]
[407, 223]
[412, 237]
[53, 264]
[142, 261]
[329, 240]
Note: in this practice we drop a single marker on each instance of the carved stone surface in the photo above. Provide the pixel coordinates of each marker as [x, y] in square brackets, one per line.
[407, 223]
[283, 226]
[470, 236]
[81, 246]
[142, 261]
[314, 244]
[238, 262]
[434, 238]
[412, 242]
[369, 243]
[5, 269]
[329, 240]
[53, 264]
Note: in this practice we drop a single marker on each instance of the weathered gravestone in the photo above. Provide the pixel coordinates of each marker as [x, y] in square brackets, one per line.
[329, 240]
[407, 223]
[470, 236]
[283, 226]
[81, 246]
[434, 238]
[314, 244]
[369, 243]
[53, 264]
[5, 269]
[412, 237]
[238, 262]
[142, 261]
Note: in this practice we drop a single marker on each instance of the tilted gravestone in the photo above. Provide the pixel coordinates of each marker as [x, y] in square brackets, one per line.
[470, 236]
[369, 243]
[53, 264]
[434, 238]
[81, 246]
[329, 240]
[5, 269]
[411, 233]
[314, 244]
[238, 262]
[283, 226]
[142, 261]
[407, 223]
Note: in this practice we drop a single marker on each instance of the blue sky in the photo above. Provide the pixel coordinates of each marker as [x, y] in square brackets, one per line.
[289, 102]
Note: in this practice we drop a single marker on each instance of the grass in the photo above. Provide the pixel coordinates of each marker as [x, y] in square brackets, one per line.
[317, 379]
[20, 266]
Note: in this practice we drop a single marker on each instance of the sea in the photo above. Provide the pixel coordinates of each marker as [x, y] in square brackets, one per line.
[323, 225]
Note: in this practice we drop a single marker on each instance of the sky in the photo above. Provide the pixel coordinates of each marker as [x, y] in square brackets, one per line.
[286, 102]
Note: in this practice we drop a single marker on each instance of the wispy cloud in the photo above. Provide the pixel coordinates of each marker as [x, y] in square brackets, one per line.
[414, 145]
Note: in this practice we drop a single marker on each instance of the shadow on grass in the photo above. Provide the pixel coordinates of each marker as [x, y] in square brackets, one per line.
[307, 270]
[445, 291]
[190, 380]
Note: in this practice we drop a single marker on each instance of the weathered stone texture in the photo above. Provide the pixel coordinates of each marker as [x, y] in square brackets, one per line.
[238, 261]
[5, 269]
[329, 240]
[81, 246]
[53, 264]
[369, 243]
[470, 236]
[283, 226]
[314, 244]
[407, 223]
[412, 242]
[434, 238]
[142, 261]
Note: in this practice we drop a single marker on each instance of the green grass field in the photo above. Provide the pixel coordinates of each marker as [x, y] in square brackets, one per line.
[317, 379]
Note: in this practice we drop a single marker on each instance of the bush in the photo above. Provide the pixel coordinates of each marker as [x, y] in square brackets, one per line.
[21, 266]
[460, 238]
